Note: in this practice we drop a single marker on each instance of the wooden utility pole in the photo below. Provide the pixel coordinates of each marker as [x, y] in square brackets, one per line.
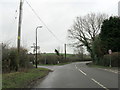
[19, 25]
[65, 51]
[19, 29]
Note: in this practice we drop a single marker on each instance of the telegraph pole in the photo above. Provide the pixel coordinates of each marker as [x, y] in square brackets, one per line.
[19, 25]
[65, 51]
[19, 29]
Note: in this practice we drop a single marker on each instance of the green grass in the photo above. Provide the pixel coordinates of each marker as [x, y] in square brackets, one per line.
[54, 64]
[64, 63]
[67, 55]
[23, 79]
[99, 66]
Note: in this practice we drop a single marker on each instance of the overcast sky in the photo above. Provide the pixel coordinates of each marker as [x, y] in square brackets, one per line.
[58, 15]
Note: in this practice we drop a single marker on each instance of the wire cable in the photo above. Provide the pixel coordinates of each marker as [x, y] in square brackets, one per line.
[43, 22]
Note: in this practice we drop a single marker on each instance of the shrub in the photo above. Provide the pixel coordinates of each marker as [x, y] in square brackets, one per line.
[78, 57]
[13, 59]
[10, 59]
[24, 60]
[115, 59]
[54, 59]
[49, 59]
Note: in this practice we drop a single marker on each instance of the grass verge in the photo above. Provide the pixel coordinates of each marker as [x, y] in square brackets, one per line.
[104, 67]
[54, 64]
[23, 79]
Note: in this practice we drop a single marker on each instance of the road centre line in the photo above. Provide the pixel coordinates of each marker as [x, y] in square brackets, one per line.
[92, 79]
[75, 66]
[82, 72]
[99, 84]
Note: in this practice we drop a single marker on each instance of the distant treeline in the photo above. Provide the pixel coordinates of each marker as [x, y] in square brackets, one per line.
[11, 63]
[52, 58]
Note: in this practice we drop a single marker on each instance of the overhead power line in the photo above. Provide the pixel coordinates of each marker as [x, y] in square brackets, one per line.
[43, 22]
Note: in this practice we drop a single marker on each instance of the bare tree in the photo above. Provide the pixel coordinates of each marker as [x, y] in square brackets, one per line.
[85, 29]
[79, 51]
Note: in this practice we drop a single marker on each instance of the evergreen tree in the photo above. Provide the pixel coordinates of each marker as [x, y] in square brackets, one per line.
[110, 34]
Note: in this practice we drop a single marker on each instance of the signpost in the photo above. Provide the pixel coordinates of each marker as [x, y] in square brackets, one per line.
[38, 47]
[34, 49]
[110, 52]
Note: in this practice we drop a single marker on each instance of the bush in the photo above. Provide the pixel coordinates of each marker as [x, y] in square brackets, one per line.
[13, 59]
[77, 57]
[115, 59]
[24, 60]
[49, 59]
[54, 59]
[10, 59]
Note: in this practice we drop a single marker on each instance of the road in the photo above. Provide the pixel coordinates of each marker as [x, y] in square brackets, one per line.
[78, 75]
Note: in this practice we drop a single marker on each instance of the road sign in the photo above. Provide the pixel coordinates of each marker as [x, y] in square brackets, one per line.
[38, 47]
[110, 51]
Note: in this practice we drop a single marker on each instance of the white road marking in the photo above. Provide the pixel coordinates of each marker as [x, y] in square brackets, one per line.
[82, 72]
[114, 71]
[75, 66]
[99, 84]
[93, 79]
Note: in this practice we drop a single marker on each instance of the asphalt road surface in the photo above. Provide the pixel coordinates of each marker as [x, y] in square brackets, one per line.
[78, 75]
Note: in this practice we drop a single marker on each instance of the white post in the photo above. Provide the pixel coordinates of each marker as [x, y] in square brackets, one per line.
[110, 52]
